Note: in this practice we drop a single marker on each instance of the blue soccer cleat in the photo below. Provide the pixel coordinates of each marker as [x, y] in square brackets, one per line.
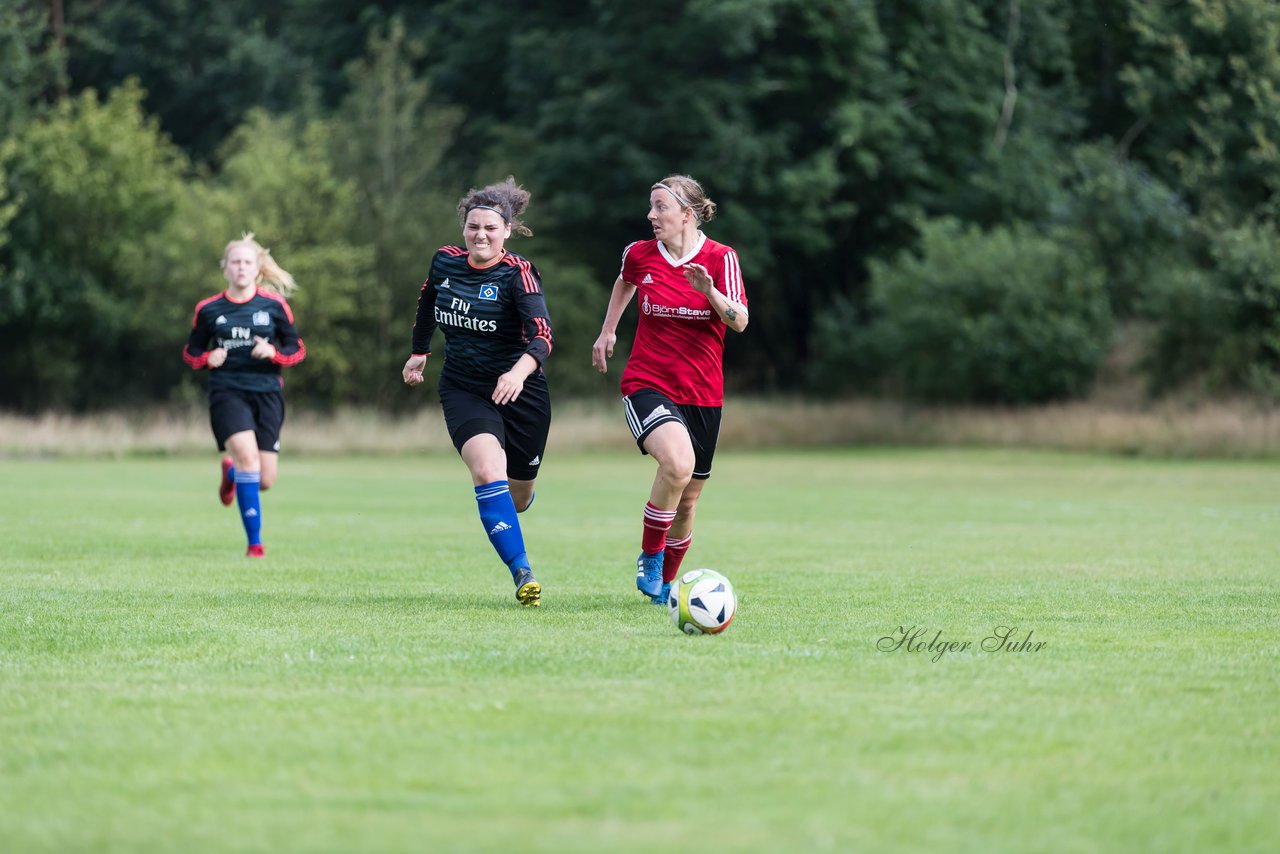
[649, 576]
[661, 598]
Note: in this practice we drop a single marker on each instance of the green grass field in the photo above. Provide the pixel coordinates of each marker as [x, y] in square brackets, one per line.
[373, 685]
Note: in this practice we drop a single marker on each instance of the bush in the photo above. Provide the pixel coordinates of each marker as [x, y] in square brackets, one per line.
[1134, 226]
[847, 354]
[85, 312]
[1005, 316]
[1221, 324]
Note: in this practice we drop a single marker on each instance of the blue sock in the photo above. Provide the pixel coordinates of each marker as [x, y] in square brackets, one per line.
[250, 506]
[498, 514]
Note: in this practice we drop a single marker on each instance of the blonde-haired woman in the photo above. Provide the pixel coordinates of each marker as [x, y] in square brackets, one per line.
[690, 293]
[243, 337]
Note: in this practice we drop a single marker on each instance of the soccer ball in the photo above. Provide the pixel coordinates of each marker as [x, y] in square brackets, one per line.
[702, 602]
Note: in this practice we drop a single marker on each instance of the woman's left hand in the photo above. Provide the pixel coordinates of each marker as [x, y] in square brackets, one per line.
[698, 278]
[262, 348]
[508, 388]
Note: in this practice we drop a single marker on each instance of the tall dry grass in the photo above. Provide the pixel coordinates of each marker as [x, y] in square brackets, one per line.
[1218, 430]
[1199, 430]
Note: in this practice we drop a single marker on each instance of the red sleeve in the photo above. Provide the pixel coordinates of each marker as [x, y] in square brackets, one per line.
[731, 278]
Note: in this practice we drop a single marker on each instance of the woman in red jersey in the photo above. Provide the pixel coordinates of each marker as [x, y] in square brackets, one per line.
[243, 337]
[690, 291]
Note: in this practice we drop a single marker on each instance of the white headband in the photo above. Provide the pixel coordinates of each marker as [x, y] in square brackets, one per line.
[679, 198]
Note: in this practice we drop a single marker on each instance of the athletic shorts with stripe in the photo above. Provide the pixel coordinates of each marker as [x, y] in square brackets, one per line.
[520, 426]
[646, 409]
[234, 411]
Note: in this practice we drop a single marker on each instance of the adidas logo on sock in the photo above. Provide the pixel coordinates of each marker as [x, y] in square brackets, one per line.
[499, 528]
[251, 512]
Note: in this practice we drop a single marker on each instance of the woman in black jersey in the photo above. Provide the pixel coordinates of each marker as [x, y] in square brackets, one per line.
[243, 337]
[488, 302]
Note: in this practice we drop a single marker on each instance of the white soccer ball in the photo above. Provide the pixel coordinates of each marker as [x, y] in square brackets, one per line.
[702, 602]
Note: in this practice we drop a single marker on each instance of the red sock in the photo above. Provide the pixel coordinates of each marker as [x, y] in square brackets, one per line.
[656, 524]
[675, 554]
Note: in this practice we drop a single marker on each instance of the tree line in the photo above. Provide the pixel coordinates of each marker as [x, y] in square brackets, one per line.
[943, 200]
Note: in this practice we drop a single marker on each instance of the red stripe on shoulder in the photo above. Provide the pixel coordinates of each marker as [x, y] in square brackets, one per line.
[452, 250]
[526, 272]
[196, 315]
[288, 312]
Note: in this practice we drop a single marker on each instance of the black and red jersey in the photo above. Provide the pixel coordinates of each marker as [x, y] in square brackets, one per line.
[490, 316]
[234, 326]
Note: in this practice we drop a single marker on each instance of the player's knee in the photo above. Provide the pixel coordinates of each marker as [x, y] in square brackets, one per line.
[488, 471]
[677, 469]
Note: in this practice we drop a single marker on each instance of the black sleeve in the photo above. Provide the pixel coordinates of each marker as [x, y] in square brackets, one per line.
[534, 318]
[424, 325]
[194, 354]
[289, 347]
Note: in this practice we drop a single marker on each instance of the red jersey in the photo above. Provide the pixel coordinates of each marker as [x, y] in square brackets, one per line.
[679, 346]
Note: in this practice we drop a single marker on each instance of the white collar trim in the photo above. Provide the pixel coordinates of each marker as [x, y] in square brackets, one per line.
[680, 262]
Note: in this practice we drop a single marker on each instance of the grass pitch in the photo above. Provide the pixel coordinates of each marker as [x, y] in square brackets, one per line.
[373, 685]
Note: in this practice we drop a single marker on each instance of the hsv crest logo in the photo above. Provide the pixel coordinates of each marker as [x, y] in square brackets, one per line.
[261, 318]
[488, 292]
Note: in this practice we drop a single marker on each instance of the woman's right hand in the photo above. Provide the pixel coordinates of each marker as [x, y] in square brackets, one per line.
[412, 372]
[602, 350]
[216, 358]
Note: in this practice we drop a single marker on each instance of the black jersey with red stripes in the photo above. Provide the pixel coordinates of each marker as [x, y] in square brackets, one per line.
[490, 316]
[235, 327]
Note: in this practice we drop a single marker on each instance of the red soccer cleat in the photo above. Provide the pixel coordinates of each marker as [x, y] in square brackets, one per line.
[256, 550]
[227, 486]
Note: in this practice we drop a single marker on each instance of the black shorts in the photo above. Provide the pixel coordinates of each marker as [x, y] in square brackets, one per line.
[646, 409]
[520, 426]
[233, 411]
